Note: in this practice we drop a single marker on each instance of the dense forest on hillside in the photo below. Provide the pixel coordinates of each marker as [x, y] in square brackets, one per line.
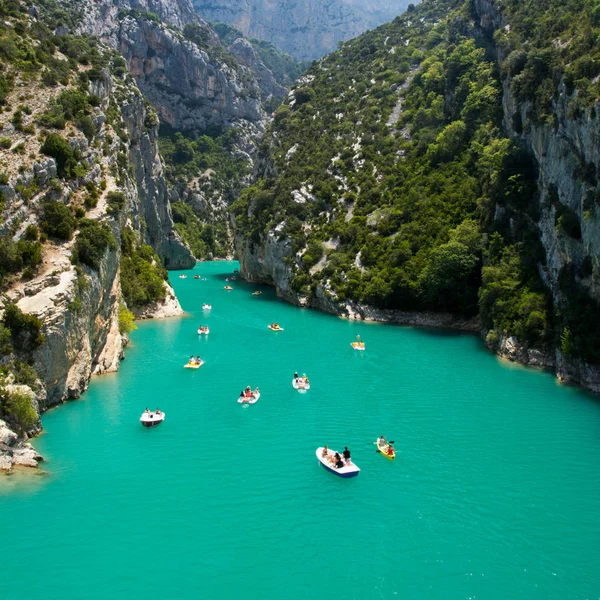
[391, 173]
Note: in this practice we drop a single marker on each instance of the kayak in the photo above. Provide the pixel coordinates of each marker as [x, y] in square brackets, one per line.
[350, 470]
[193, 365]
[358, 345]
[300, 385]
[275, 328]
[249, 399]
[387, 450]
[204, 331]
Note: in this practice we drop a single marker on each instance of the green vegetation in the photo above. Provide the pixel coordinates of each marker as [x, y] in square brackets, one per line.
[16, 256]
[57, 220]
[67, 158]
[126, 320]
[430, 207]
[92, 242]
[25, 329]
[17, 407]
[204, 239]
[142, 275]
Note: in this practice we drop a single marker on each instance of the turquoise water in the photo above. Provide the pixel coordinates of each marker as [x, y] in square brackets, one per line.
[494, 493]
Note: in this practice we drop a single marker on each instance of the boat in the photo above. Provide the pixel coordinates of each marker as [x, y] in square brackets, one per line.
[193, 365]
[203, 330]
[350, 470]
[152, 419]
[275, 327]
[228, 288]
[196, 276]
[183, 277]
[358, 345]
[386, 449]
[206, 306]
[302, 385]
[257, 293]
[251, 399]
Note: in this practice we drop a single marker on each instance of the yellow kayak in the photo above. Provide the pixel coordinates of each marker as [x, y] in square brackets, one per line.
[193, 365]
[387, 450]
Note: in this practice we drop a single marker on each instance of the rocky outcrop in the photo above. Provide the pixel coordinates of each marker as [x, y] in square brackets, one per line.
[306, 29]
[246, 55]
[193, 87]
[15, 451]
[169, 307]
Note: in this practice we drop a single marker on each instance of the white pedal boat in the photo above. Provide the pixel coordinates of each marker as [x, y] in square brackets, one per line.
[152, 419]
[203, 330]
[350, 470]
[300, 385]
[206, 306]
[253, 399]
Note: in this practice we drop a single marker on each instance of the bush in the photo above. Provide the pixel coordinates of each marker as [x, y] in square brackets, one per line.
[126, 320]
[17, 405]
[115, 202]
[25, 329]
[59, 149]
[92, 242]
[57, 220]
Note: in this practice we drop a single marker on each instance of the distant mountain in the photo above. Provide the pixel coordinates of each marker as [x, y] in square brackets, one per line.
[306, 29]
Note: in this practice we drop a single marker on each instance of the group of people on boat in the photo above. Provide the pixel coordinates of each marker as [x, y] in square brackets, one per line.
[248, 393]
[388, 447]
[274, 326]
[203, 329]
[149, 412]
[301, 380]
[195, 361]
[335, 459]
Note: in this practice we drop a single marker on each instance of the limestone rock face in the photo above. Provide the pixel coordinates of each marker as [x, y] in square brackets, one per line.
[190, 89]
[15, 451]
[306, 29]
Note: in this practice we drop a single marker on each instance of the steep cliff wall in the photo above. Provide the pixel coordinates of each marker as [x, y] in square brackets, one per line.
[307, 29]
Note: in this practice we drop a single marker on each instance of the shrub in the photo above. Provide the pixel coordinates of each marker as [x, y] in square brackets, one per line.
[57, 220]
[92, 242]
[17, 405]
[5, 143]
[59, 149]
[25, 329]
[126, 320]
[115, 202]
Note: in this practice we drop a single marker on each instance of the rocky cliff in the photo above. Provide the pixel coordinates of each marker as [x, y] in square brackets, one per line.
[306, 29]
[177, 62]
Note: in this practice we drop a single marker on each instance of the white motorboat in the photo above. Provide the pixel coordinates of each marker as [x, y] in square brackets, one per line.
[348, 470]
[152, 419]
[302, 385]
[251, 399]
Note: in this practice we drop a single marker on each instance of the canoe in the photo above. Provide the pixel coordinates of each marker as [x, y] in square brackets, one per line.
[193, 365]
[358, 345]
[300, 385]
[205, 332]
[152, 419]
[384, 449]
[251, 400]
[350, 470]
[275, 329]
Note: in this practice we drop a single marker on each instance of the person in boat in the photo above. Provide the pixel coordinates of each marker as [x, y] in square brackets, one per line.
[296, 377]
[256, 393]
[346, 454]
[325, 451]
[304, 378]
[147, 411]
[198, 360]
[382, 441]
[157, 411]
[337, 461]
[248, 392]
[242, 394]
